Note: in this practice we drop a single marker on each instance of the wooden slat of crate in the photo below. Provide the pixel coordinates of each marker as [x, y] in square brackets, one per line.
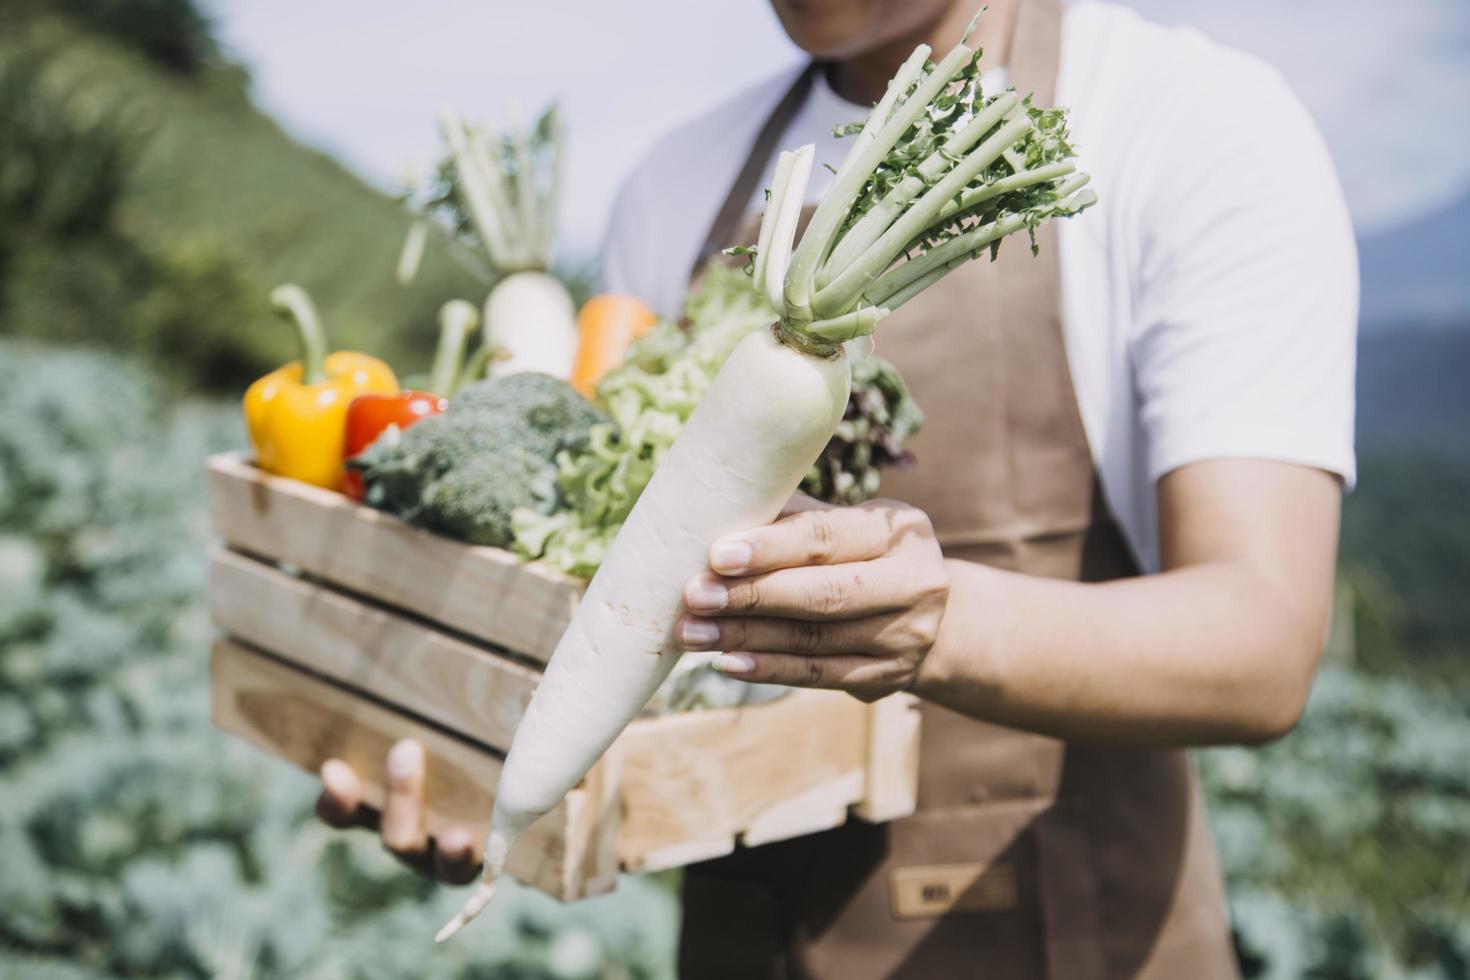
[449, 681]
[484, 592]
[892, 789]
[569, 853]
[673, 790]
[695, 783]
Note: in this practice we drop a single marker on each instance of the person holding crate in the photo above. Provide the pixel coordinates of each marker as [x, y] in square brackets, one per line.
[1118, 542]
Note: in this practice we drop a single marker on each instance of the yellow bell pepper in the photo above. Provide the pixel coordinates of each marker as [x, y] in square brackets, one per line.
[297, 414]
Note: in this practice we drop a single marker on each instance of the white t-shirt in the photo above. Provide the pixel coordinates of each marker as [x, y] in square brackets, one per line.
[1209, 300]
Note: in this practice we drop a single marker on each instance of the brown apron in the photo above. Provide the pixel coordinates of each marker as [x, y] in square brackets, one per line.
[1028, 857]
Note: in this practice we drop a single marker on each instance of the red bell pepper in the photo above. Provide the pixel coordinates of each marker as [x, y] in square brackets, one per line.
[369, 416]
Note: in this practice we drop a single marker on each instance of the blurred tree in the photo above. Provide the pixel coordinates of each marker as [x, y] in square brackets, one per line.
[68, 271]
[1406, 552]
[173, 33]
[62, 171]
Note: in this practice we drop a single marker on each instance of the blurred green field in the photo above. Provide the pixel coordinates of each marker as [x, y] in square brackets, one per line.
[136, 841]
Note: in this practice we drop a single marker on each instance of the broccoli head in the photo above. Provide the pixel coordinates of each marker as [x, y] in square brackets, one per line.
[474, 500]
[550, 413]
[464, 472]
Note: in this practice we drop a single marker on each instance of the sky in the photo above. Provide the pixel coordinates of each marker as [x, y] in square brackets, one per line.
[364, 80]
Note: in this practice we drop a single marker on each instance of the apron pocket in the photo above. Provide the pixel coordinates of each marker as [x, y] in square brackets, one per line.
[1009, 887]
[999, 890]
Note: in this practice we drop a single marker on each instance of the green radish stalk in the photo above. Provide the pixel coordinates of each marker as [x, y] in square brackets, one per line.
[411, 256]
[505, 189]
[457, 320]
[781, 394]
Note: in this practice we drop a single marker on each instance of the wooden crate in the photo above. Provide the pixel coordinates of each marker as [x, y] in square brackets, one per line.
[346, 629]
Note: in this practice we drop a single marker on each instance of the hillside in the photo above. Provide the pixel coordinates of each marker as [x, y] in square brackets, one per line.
[1411, 390]
[1414, 275]
[1406, 530]
[226, 205]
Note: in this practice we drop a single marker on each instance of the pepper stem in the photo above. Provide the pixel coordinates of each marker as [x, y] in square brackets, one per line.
[292, 300]
[457, 320]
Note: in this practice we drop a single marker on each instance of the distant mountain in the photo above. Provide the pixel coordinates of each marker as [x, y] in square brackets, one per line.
[1406, 527]
[1418, 275]
[1412, 394]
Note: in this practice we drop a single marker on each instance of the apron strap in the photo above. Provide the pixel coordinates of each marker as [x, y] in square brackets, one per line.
[728, 218]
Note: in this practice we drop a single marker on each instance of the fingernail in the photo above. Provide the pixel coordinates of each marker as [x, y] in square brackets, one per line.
[699, 632]
[334, 772]
[454, 841]
[731, 556]
[733, 663]
[405, 761]
[707, 595]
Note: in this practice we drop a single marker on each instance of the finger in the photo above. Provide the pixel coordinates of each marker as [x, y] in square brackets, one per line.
[403, 826]
[340, 802]
[820, 592]
[456, 857]
[808, 537]
[804, 636]
[843, 672]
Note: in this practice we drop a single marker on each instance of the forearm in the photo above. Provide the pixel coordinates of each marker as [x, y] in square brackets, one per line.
[1210, 653]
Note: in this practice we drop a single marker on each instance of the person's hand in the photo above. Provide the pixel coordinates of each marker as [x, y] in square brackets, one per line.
[454, 856]
[837, 597]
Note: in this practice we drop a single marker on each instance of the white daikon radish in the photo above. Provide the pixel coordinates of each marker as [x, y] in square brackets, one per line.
[747, 446]
[777, 399]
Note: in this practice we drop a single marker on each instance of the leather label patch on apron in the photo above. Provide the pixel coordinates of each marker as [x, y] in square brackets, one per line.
[942, 889]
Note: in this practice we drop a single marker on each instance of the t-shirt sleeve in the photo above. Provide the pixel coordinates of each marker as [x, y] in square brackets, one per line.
[1247, 293]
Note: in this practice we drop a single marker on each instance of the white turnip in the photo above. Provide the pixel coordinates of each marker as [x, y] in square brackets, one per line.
[530, 325]
[506, 187]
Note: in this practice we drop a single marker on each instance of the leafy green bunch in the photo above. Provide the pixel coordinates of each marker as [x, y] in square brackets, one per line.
[651, 397]
[880, 415]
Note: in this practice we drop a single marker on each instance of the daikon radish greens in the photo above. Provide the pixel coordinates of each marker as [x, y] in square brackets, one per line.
[936, 175]
[499, 192]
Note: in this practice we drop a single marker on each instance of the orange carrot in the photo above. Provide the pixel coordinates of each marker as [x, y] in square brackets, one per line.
[608, 323]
